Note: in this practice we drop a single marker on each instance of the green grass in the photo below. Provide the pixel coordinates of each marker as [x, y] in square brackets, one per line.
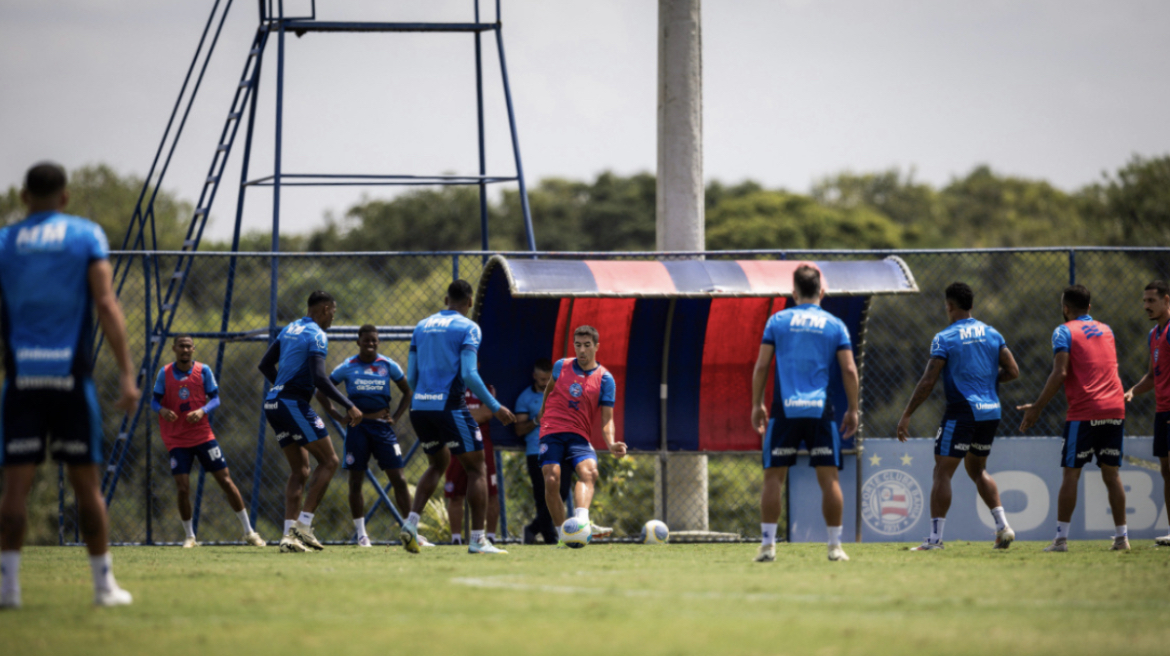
[605, 599]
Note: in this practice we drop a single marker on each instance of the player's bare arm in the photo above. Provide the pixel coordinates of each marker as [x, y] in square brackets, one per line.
[1144, 385]
[1008, 369]
[607, 433]
[403, 402]
[327, 406]
[113, 324]
[759, 384]
[852, 381]
[922, 390]
[544, 400]
[524, 423]
[1055, 381]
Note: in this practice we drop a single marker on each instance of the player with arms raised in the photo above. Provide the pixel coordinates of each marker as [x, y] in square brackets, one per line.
[972, 359]
[54, 271]
[443, 353]
[184, 392]
[806, 341]
[1156, 299]
[580, 397]
[1084, 361]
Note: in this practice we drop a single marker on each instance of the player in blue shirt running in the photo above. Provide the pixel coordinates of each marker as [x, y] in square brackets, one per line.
[54, 271]
[367, 377]
[442, 365]
[972, 359]
[527, 409]
[807, 342]
[295, 366]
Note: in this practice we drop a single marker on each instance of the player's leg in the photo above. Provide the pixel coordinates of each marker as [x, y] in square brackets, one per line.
[542, 523]
[402, 498]
[940, 500]
[552, 499]
[235, 500]
[183, 499]
[18, 481]
[455, 504]
[587, 477]
[1111, 476]
[1164, 541]
[989, 492]
[1162, 453]
[493, 492]
[771, 505]
[299, 471]
[477, 488]
[86, 481]
[327, 465]
[356, 461]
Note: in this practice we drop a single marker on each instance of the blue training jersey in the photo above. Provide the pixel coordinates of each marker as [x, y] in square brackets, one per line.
[45, 302]
[806, 339]
[294, 377]
[437, 343]
[367, 384]
[529, 403]
[971, 350]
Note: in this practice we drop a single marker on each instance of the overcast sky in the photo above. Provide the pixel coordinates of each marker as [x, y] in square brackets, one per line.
[794, 90]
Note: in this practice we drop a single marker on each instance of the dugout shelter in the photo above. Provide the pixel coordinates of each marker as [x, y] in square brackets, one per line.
[679, 336]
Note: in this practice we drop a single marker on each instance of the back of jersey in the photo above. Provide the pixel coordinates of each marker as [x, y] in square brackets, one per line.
[971, 350]
[1092, 387]
[806, 339]
[45, 301]
[437, 343]
[298, 340]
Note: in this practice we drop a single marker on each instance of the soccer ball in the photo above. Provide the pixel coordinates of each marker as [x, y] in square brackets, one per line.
[654, 532]
[575, 533]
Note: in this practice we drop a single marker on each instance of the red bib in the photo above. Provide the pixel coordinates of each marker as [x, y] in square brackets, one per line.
[1093, 387]
[184, 397]
[574, 404]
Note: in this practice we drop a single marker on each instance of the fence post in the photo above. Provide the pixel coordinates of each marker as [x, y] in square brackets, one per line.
[1072, 267]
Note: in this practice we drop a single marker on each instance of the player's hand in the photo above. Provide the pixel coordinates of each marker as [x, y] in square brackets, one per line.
[1031, 415]
[1129, 395]
[196, 415]
[128, 395]
[903, 431]
[505, 416]
[355, 415]
[760, 419]
[849, 423]
[167, 415]
[618, 449]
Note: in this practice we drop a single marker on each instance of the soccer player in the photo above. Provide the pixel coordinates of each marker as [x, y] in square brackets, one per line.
[580, 397]
[527, 408]
[455, 491]
[443, 353]
[1085, 362]
[972, 359]
[1156, 299]
[295, 366]
[184, 392]
[367, 377]
[54, 271]
[806, 341]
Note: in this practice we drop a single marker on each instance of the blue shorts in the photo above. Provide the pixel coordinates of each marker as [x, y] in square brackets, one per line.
[1161, 434]
[958, 437]
[209, 454]
[67, 423]
[1083, 439]
[372, 437]
[568, 448]
[294, 421]
[819, 435]
[453, 429]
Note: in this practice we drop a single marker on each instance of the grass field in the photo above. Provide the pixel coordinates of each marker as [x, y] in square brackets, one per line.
[620, 599]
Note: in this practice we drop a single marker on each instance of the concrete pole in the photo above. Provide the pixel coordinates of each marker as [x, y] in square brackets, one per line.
[680, 497]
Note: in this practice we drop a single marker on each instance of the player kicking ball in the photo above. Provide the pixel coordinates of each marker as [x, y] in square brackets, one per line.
[579, 398]
[184, 392]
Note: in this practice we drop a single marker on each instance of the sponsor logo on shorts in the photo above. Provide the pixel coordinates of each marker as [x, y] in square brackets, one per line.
[543, 448]
[804, 403]
[981, 447]
[174, 464]
[318, 423]
[283, 436]
[821, 451]
[349, 459]
[891, 502]
[452, 445]
[23, 445]
[960, 447]
[478, 435]
[1109, 452]
[1107, 422]
[778, 451]
[71, 448]
[1085, 454]
[430, 445]
[271, 406]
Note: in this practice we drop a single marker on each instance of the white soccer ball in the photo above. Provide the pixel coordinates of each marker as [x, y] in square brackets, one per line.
[576, 533]
[654, 532]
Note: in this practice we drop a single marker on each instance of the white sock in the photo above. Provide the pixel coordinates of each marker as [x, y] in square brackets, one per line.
[189, 527]
[456, 538]
[359, 524]
[768, 531]
[936, 528]
[10, 571]
[835, 536]
[1122, 531]
[288, 524]
[244, 521]
[413, 518]
[476, 537]
[103, 572]
[1062, 530]
[305, 518]
[491, 537]
[582, 514]
[1000, 518]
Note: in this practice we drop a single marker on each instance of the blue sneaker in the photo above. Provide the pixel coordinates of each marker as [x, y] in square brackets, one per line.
[483, 547]
[409, 537]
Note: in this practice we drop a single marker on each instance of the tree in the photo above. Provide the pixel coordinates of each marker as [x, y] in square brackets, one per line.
[776, 219]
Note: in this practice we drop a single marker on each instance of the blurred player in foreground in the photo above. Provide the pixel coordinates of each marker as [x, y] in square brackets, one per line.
[367, 377]
[184, 392]
[1156, 299]
[806, 341]
[455, 490]
[443, 353]
[54, 271]
[1085, 362]
[295, 366]
[579, 398]
[972, 359]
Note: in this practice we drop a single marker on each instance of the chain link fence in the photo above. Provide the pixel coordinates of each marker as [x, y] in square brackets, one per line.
[1017, 291]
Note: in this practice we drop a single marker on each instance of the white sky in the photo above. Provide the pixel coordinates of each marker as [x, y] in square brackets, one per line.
[793, 90]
